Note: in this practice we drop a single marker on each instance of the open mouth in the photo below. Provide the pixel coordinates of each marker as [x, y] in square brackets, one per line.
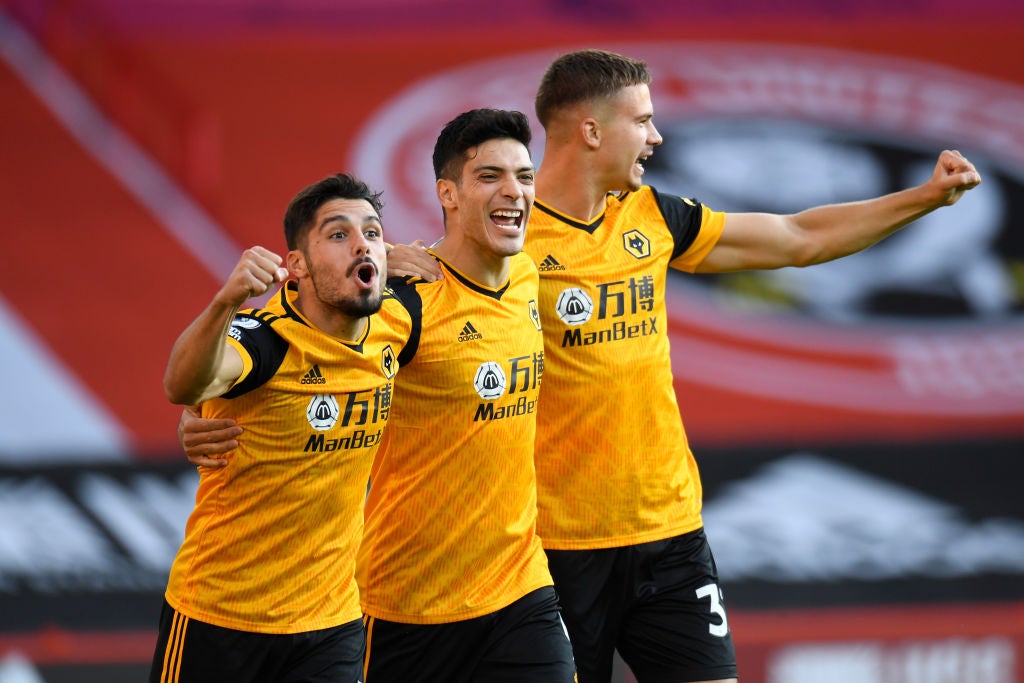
[365, 273]
[510, 219]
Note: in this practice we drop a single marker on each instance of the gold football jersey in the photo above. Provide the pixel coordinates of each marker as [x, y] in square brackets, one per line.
[613, 464]
[271, 544]
[451, 514]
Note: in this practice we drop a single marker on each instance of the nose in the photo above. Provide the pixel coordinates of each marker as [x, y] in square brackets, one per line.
[653, 136]
[512, 188]
[360, 245]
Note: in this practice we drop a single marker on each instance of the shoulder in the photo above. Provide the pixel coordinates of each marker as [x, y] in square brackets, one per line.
[255, 327]
[396, 304]
[669, 202]
[679, 212]
[522, 262]
[522, 267]
[409, 287]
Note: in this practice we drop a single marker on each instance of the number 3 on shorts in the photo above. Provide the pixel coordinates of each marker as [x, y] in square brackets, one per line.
[712, 592]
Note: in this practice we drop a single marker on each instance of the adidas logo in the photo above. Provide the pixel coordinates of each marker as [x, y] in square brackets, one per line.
[469, 333]
[549, 263]
[313, 377]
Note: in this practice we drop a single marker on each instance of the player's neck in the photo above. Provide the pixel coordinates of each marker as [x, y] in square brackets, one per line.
[330, 320]
[488, 269]
[570, 190]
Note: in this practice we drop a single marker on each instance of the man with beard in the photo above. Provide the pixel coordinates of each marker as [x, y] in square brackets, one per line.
[453, 579]
[263, 587]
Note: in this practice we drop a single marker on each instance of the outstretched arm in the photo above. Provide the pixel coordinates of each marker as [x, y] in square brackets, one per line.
[756, 241]
[202, 365]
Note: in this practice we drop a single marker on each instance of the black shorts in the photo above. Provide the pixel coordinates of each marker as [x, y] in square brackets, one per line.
[192, 651]
[525, 642]
[657, 603]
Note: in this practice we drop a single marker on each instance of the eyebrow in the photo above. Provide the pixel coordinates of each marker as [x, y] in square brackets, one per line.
[345, 218]
[491, 167]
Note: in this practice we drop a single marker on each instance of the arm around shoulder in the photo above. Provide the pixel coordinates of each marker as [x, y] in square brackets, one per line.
[405, 260]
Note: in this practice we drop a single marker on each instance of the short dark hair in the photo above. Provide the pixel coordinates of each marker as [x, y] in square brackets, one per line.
[583, 75]
[472, 128]
[301, 211]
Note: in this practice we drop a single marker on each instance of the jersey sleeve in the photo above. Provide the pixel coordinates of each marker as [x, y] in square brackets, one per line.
[695, 229]
[262, 350]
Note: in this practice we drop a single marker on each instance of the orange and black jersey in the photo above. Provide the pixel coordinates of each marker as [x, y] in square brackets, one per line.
[613, 464]
[271, 544]
[451, 514]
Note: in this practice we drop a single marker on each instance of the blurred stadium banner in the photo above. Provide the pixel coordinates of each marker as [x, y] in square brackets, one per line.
[859, 424]
[885, 564]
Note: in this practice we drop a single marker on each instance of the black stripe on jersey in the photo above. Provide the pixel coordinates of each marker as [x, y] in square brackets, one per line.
[404, 289]
[492, 293]
[358, 346]
[683, 219]
[267, 349]
[294, 286]
[571, 222]
[265, 316]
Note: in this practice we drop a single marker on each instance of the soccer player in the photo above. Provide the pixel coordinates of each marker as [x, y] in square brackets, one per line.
[619, 493]
[263, 586]
[453, 578]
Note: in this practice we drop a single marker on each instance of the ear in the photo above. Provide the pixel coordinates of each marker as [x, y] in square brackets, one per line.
[590, 129]
[296, 261]
[447, 194]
